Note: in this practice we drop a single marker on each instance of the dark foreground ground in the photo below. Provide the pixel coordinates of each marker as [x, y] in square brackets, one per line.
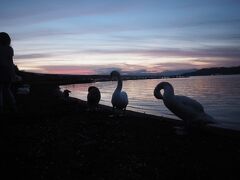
[54, 138]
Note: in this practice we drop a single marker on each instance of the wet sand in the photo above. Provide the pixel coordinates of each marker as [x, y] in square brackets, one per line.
[58, 138]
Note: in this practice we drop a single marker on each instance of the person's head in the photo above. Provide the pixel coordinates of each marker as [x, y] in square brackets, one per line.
[5, 39]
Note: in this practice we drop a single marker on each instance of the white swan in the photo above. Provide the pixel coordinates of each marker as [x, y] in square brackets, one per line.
[119, 97]
[93, 97]
[184, 107]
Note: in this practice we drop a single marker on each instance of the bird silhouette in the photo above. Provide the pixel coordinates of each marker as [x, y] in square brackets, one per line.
[93, 97]
[188, 109]
[119, 97]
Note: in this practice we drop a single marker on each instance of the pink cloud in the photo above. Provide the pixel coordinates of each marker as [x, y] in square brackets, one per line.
[66, 70]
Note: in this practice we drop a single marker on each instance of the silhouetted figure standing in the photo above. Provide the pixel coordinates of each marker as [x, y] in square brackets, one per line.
[7, 72]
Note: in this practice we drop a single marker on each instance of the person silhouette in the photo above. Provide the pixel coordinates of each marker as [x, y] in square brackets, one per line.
[7, 73]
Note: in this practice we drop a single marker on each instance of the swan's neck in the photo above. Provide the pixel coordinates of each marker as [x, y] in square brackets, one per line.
[119, 85]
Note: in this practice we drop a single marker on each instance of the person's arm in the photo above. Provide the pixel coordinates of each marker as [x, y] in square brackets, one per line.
[12, 65]
[15, 77]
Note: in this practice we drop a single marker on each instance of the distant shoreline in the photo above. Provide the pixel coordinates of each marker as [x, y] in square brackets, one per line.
[65, 79]
[215, 71]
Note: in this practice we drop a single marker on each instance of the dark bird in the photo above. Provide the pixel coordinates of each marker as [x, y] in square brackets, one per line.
[66, 93]
[184, 107]
[93, 97]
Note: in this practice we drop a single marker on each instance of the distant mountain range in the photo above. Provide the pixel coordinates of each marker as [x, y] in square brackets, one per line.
[177, 72]
[214, 71]
[190, 72]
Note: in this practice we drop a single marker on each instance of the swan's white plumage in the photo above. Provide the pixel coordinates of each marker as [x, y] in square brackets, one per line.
[184, 107]
[119, 97]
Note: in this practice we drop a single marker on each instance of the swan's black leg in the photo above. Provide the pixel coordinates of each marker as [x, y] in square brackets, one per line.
[113, 112]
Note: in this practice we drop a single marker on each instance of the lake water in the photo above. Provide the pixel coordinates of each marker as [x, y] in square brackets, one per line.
[218, 94]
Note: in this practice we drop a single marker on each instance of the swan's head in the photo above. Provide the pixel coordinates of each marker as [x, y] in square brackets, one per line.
[115, 74]
[167, 87]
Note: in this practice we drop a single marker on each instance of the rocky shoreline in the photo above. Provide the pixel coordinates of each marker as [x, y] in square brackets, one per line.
[54, 137]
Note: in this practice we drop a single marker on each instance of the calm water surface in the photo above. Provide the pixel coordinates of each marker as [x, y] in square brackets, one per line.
[218, 94]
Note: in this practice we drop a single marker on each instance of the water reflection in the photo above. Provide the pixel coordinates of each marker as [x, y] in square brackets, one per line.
[218, 94]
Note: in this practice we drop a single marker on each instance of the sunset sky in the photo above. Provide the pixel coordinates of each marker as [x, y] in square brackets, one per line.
[96, 36]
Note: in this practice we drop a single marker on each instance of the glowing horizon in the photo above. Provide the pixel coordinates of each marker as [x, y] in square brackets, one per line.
[94, 37]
